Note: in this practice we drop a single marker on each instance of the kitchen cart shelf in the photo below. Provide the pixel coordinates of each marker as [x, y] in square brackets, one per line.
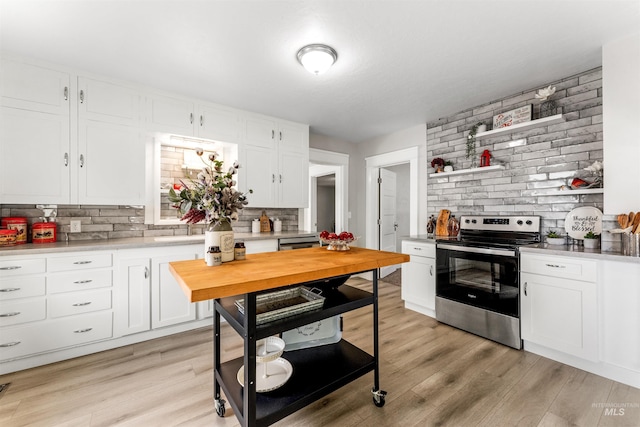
[317, 372]
[337, 301]
[467, 171]
[545, 121]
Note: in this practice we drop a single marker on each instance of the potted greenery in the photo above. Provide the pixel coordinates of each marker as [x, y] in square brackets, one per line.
[554, 238]
[591, 240]
[471, 138]
[448, 166]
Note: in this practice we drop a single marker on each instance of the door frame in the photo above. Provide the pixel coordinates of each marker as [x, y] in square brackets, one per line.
[329, 162]
[372, 166]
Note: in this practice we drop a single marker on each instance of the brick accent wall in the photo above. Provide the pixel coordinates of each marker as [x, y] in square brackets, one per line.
[537, 161]
[116, 222]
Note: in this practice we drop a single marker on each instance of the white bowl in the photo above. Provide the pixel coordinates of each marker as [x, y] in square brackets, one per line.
[269, 349]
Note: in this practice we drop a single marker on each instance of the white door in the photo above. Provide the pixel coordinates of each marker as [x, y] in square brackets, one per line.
[387, 216]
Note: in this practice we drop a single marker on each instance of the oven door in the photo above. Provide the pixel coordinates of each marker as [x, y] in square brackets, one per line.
[482, 277]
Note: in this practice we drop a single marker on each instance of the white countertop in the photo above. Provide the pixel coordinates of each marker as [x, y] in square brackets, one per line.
[136, 242]
[546, 249]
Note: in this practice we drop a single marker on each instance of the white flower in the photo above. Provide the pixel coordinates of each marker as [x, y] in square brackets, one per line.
[595, 167]
[545, 93]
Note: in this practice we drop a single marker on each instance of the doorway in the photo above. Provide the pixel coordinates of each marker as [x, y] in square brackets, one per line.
[326, 203]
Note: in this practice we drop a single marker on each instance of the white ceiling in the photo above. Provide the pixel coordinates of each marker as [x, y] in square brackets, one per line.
[401, 63]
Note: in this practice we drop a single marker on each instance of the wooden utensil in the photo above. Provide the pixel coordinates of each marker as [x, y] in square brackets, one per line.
[623, 220]
[636, 223]
[442, 222]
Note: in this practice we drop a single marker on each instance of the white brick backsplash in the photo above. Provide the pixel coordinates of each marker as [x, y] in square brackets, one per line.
[538, 160]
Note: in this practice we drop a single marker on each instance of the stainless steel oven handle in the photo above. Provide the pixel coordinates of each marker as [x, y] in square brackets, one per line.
[470, 249]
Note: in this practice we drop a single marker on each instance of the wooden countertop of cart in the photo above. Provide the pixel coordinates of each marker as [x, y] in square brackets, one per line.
[272, 270]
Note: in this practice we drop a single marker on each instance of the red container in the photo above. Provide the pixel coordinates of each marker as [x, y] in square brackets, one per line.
[16, 223]
[8, 237]
[44, 232]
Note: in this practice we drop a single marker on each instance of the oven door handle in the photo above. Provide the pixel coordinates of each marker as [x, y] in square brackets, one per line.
[486, 251]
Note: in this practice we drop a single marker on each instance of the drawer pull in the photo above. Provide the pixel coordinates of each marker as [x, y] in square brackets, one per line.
[431, 270]
[11, 314]
[81, 304]
[82, 282]
[417, 249]
[82, 331]
[9, 289]
[9, 344]
[82, 262]
[555, 266]
[11, 267]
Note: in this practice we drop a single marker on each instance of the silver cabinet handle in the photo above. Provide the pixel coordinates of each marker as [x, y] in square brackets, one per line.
[280, 178]
[417, 249]
[201, 120]
[81, 160]
[9, 344]
[555, 266]
[82, 331]
[191, 118]
[82, 97]
[9, 289]
[273, 134]
[525, 289]
[431, 270]
[81, 304]
[82, 282]
[66, 93]
[66, 159]
[82, 262]
[11, 314]
[280, 135]
[11, 267]
[146, 272]
[273, 177]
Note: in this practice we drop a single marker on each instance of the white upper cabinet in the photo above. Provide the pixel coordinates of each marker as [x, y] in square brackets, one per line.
[275, 162]
[180, 116]
[81, 134]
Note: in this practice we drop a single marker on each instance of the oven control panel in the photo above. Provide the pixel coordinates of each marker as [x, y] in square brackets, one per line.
[526, 223]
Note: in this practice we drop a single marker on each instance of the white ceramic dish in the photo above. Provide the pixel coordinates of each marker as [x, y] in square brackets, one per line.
[582, 220]
[277, 373]
[322, 332]
[269, 349]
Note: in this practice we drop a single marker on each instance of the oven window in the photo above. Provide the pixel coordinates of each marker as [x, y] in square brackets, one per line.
[481, 275]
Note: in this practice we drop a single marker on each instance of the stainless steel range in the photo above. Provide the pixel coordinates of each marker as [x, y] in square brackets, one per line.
[477, 280]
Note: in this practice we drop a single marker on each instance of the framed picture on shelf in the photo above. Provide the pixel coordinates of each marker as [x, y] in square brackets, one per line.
[512, 117]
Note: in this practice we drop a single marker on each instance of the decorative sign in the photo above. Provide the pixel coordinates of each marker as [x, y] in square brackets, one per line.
[582, 220]
[513, 117]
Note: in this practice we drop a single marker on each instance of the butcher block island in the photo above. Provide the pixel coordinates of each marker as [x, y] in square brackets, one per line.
[311, 371]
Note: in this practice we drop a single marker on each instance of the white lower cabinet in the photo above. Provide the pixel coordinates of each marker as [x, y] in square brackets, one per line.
[559, 306]
[134, 303]
[419, 277]
[169, 304]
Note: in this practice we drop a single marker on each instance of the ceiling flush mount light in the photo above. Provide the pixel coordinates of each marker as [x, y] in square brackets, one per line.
[317, 58]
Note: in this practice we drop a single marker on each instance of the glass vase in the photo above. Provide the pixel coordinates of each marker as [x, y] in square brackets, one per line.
[220, 234]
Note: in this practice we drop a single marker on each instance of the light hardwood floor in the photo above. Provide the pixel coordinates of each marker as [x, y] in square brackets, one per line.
[435, 375]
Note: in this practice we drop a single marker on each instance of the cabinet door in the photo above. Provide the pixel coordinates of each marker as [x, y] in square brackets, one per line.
[293, 179]
[35, 88]
[560, 314]
[258, 173]
[293, 137]
[170, 115]
[108, 102]
[419, 282]
[621, 317]
[134, 303]
[34, 157]
[111, 164]
[260, 132]
[219, 123]
[169, 304]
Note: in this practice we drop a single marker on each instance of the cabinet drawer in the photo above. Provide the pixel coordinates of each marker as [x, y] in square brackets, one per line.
[79, 262]
[23, 310]
[21, 341]
[22, 287]
[569, 268]
[419, 248]
[19, 267]
[79, 302]
[79, 281]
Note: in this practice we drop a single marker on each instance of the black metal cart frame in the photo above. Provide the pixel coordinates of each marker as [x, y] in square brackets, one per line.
[342, 362]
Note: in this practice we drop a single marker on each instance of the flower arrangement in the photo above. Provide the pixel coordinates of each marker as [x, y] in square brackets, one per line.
[211, 198]
[597, 169]
[471, 140]
[437, 162]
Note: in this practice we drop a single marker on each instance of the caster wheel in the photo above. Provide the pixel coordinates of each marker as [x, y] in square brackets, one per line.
[220, 408]
[378, 402]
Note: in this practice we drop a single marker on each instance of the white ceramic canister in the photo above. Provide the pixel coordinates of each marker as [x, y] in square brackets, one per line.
[255, 226]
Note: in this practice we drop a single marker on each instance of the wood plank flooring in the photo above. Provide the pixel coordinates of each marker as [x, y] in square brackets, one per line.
[435, 375]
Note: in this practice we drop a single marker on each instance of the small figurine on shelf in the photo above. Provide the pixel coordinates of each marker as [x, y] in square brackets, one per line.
[431, 225]
[485, 159]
